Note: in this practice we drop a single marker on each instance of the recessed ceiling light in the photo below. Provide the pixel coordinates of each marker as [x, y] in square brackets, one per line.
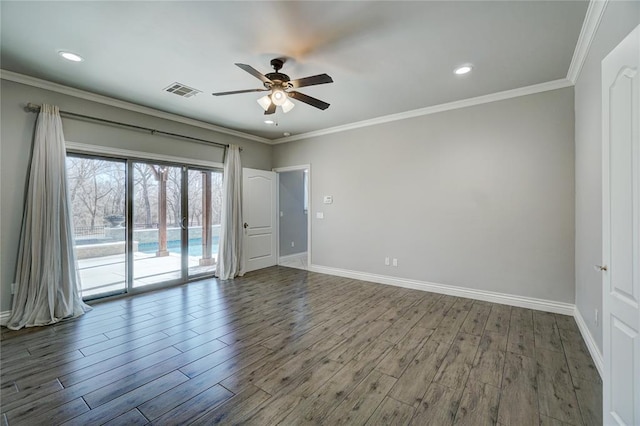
[269, 121]
[286, 134]
[71, 56]
[463, 70]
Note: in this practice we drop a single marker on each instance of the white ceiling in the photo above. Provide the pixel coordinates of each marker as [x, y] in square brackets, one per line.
[384, 57]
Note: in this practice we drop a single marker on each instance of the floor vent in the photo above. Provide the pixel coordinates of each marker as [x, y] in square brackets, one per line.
[182, 90]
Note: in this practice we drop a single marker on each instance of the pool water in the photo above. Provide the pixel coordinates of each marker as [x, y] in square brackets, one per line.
[195, 246]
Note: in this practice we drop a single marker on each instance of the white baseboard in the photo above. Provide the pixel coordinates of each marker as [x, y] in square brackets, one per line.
[487, 296]
[295, 256]
[596, 355]
[4, 317]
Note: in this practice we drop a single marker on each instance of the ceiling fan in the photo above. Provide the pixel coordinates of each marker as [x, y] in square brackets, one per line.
[280, 86]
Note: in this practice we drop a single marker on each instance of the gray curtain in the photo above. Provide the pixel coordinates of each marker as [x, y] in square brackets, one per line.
[230, 262]
[47, 280]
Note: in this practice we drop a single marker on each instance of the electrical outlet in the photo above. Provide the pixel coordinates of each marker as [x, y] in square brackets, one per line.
[13, 288]
[395, 262]
[596, 316]
[386, 261]
[293, 244]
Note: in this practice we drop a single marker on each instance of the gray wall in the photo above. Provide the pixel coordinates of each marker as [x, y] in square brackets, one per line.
[480, 197]
[293, 220]
[16, 139]
[618, 20]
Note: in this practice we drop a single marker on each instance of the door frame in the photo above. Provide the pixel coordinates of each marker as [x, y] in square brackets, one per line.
[279, 170]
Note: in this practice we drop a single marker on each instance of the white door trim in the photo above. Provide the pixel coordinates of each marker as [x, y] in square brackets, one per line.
[279, 170]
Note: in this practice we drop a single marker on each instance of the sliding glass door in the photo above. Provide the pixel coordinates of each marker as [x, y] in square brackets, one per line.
[204, 214]
[140, 223]
[97, 188]
[157, 223]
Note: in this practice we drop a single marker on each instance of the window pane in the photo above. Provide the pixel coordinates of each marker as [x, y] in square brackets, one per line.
[156, 224]
[97, 190]
[205, 210]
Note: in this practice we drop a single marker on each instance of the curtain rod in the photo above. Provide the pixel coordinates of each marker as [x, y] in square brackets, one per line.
[36, 108]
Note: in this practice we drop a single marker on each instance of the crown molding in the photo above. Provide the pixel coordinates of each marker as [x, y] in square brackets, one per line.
[587, 33]
[493, 97]
[105, 100]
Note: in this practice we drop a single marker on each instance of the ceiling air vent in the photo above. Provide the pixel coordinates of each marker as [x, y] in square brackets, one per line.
[182, 90]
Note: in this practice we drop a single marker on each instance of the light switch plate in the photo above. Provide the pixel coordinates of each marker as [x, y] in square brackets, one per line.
[328, 199]
[320, 215]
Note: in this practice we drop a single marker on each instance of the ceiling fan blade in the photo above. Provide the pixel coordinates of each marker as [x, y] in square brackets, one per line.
[254, 72]
[309, 100]
[271, 110]
[235, 92]
[311, 81]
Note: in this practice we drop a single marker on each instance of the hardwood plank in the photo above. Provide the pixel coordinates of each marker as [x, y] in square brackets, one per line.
[550, 421]
[456, 365]
[438, 407]
[57, 415]
[566, 322]
[130, 376]
[488, 364]
[580, 362]
[499, 318]
[414, 382]
[435, 314]
[589, 396]
[545, 331]
[155, 406]
[521, 339]
[316, 407]
[407, 321]
[584, 368]
[518, 398]
[357, 407]
[194, 407]
[479, 405]
[37, 392]
[403, 353]
[391, 413]
[556, 396]
[130, 418]
[273, 410]
[476, 319]
[129, 400]
[236, 409]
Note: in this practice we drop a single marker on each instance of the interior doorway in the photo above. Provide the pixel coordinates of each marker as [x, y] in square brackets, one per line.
[294, 225]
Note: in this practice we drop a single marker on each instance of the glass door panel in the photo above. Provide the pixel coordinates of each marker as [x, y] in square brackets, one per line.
[157, 224]
[97, 188]
[204, 214]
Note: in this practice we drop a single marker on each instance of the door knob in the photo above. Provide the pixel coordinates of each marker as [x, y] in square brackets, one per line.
[246, 225]
[600, 267]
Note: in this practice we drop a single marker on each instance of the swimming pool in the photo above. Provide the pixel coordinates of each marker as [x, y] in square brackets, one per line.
[195, 246]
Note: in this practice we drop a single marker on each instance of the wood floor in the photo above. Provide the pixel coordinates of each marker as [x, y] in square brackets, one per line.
[287, 346]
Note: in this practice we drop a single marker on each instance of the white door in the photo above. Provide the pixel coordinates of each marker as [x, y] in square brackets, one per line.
[259, 211]
[621, 232]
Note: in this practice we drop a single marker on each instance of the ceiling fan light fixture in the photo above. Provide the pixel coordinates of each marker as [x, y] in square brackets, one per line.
[278, 97]
[287, 106]
[265, 102]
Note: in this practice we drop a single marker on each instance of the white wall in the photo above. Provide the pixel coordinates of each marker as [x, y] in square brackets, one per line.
[480, 197]
[15, 149]
[619, 18]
